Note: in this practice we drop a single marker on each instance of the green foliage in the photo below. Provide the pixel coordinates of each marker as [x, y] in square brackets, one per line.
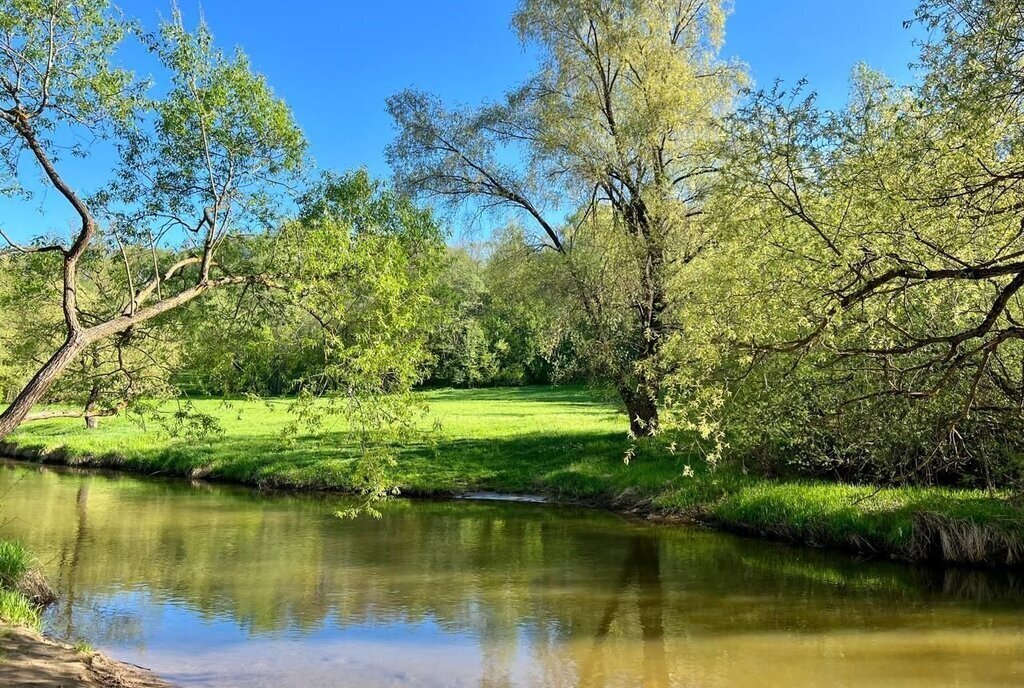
[498, 329]
[74, 84]
[860, 315]
[362, 262]
[14, 563]
[18, 610]
[617, 125]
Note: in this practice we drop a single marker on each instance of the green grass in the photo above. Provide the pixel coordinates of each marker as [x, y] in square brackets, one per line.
[18, 610]
[564, 442]
[15, 562]
[15, 606]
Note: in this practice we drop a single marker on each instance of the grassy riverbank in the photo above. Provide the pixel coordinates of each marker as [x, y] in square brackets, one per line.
[562, 442]
[22, 588]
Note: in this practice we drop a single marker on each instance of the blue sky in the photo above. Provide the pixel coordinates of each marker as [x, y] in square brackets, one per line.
[336, 61]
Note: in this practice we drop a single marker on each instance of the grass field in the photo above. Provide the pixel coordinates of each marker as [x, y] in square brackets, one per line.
[564, 442]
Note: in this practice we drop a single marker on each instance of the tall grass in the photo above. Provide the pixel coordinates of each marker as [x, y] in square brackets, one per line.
[22, 589]
[15, 562]
[18, 610]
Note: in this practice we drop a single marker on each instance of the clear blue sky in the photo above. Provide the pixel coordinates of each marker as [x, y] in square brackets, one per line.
[336, 61]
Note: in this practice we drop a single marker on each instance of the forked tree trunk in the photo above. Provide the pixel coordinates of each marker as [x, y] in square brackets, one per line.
[40, 384]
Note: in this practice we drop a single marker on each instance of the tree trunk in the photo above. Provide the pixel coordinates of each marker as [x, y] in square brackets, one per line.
[39, 385]
[92, 419]
[642, 408]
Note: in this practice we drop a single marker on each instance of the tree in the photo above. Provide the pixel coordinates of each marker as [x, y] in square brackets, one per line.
[110, 374]
[498, 327]
[882, 245]
[616, 128]
[199, 168]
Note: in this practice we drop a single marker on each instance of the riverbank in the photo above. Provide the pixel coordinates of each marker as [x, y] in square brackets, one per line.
[565, 443]
[29, 659]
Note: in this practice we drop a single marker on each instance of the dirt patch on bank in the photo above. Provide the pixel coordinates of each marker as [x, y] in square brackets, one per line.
[27, 659]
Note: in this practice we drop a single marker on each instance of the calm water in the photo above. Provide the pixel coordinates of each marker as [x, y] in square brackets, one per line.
[221, 587]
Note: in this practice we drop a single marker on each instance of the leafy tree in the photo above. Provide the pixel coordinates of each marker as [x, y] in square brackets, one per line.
[879, 248]
[616, 126]
[497, 329]
[199, 166]
[459, 346]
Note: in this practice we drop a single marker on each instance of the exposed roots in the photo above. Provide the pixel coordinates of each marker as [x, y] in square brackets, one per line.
[964, 541]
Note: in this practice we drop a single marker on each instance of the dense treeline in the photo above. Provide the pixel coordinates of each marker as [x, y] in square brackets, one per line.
[767, 281]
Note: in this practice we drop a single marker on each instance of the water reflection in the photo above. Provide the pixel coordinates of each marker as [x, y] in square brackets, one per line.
[643, 567]
[222, 587]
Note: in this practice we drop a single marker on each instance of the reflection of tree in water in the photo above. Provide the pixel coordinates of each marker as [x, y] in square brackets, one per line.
[642, 567]
[551, 584]
[74, 617]
[70, 557]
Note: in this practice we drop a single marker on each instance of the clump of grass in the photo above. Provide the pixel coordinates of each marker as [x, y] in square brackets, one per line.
[23, 589]
[83, 648]
[18, 574]
[964, 540]
[17, 609]
[15, 562]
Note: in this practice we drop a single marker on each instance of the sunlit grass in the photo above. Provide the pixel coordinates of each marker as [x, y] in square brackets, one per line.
[15, 607]
[15, 561]
[18, 610]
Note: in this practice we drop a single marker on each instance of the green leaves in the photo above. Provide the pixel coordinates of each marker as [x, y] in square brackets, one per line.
[217, 155]
[868, 271]
[56, 70]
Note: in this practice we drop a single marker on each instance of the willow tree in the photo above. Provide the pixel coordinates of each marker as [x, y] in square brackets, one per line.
[613, 132]
[200, 166]
[884, 244]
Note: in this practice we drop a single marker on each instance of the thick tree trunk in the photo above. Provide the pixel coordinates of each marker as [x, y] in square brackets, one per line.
[642, 407]
[40, 384]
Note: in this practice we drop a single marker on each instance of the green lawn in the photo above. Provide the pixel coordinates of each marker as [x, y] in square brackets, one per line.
[564, 442]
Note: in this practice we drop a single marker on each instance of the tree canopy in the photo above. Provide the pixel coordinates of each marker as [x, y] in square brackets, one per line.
[612, 141]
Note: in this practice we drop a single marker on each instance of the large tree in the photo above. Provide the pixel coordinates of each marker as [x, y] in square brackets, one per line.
[614, 131]
[199, 167]
[879, 249]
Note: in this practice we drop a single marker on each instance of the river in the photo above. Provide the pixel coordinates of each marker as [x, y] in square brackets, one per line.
[225, 587]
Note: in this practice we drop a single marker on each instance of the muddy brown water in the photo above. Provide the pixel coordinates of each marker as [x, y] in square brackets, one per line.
[224, 587]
